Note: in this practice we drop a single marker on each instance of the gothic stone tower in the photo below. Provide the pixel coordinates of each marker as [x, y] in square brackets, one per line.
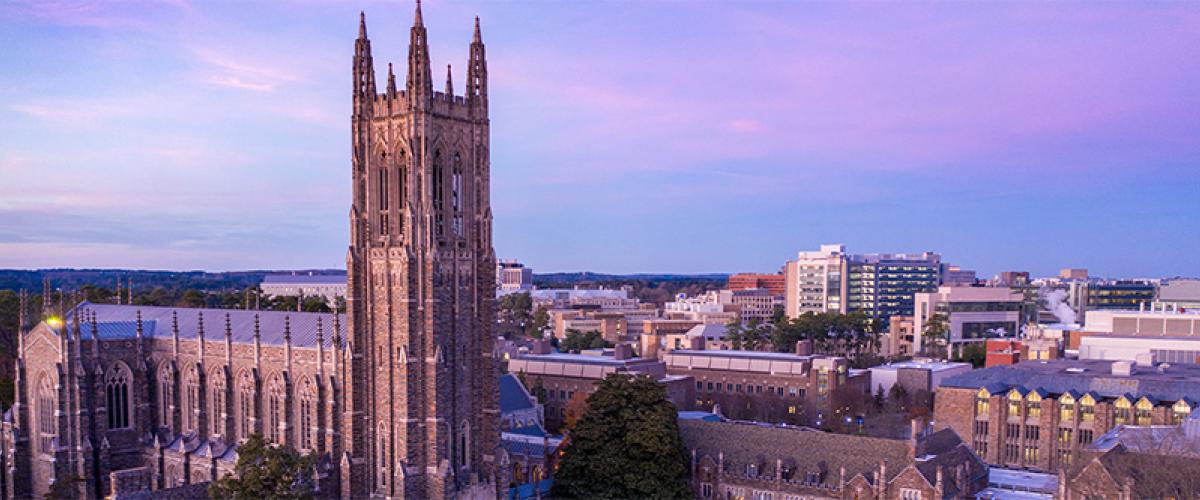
[423, 420]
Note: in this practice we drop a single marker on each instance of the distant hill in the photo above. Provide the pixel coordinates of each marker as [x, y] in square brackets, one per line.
[16, 279]
[586, 276]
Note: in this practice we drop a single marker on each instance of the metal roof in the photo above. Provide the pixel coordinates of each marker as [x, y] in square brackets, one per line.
[120, 322]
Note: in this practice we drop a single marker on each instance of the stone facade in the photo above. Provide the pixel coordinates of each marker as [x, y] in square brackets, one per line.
[424, 413]
[1027, 426]
[401, 404]
[114, 389]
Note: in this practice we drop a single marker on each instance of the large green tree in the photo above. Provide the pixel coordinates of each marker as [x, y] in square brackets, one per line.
[267, 471]
[626, 445]
[575, 341]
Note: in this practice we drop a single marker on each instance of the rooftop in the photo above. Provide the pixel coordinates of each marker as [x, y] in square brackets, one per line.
[932, 365]
[115, 321]
[1081, 376]
[725, 353]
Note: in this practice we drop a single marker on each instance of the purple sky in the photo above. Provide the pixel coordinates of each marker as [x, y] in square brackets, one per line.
[627, 136]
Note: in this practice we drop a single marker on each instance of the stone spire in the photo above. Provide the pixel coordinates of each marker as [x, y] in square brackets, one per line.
[420, 78]
[364, 68]
[391, 83]
[362, 25]
[449, 81]
[477, 71]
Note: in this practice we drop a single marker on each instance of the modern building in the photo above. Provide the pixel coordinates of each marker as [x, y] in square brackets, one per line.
[775, 284]
[513, 276]
[772, 387]
[880, 285]
[815, 281]
[914, 376]
[972, 314]
[957, 276]
[1011, 279]
[126, 398]
[1121, 295]
[1040, 415]
[1173, 350]
[754, 461]
[604, 298]
[330, 287]
[884, 285]
[753, 304]
[1159, 320]
[1183, 292]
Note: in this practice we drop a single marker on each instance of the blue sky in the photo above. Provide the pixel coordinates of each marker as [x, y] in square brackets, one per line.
[626, 136]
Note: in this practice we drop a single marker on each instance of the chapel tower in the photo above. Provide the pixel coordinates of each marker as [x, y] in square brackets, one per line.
[424, 411]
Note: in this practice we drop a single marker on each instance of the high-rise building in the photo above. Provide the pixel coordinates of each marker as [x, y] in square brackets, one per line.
[883, 285]
[423, 416]
[880, 285]
[815, 281]
[513, 276]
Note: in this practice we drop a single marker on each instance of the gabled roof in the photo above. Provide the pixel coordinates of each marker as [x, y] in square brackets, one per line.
[513, 395]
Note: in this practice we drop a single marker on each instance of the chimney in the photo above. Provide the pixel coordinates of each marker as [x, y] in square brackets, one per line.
[622, 351]
[541, 347]
[696, 343]
[804, 347]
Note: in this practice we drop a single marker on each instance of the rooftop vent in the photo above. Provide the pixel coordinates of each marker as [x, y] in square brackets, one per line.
[1122, 368]
[1076, 369]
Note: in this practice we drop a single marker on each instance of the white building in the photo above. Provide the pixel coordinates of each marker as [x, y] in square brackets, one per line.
[973, 314]
[814, 281]
[923, 374]
[1173, 350]
[1159, 320]
[327, 286]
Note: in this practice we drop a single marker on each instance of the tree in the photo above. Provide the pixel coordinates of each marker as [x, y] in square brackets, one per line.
[936, 333]
[576, 341]
[541, 320]
[974, 353]
[267, 471]
[749, 336]
[627, 445]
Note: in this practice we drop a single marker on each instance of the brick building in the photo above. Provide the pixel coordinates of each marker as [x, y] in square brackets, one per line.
[772, 387]
[563, 375]
[745, 460]
[775, 284]
[1041, 414]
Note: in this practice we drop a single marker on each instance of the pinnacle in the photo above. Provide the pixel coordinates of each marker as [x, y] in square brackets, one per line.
[417, 20]
[362, 25]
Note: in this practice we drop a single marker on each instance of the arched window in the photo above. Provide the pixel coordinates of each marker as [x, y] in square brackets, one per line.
[245, 410]
[218, 410]
[1087, 408]
[46, 421]
[1142, 411]
[382, 192]
[308, 411]
[166, 396]
[439, 187]
[276, 411]
[1015, 402]
[1180, 411]
[464, 446]
[116, 395]
[1033, 405]
[982, 402]
[191, 399]
[401, 183]
[1066, 408]
[1124, 410]
[456, 184]
[382, 450]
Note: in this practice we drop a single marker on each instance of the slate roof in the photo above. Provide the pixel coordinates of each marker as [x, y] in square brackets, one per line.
[513, 396]
[1095, 376]
[805, 450]
[120, 322]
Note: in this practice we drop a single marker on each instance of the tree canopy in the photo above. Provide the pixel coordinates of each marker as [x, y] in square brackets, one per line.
[626, 445]
[267, 471]
[576, 341]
